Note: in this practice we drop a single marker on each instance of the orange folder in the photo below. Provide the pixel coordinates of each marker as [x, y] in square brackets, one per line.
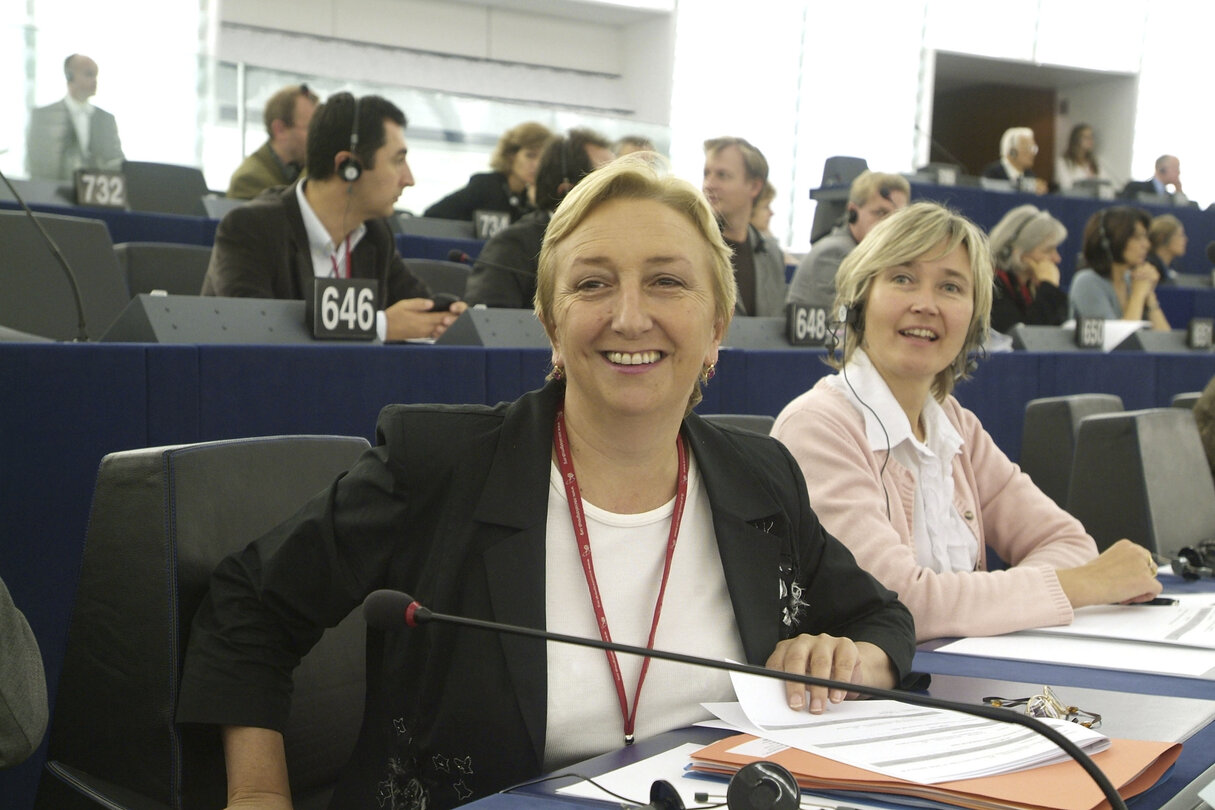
[1132, 766]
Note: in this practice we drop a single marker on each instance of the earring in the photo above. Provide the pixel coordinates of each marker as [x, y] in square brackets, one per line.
[558, 373]
[708, 372]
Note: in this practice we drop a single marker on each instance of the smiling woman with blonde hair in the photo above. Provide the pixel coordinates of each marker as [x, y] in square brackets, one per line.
[596, 502]
[908, 479]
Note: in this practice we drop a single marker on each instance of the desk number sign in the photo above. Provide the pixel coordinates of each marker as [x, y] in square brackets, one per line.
[488, 223]
[806, 326]
[102, 189]
[1200, 333]
[344, 309]
[1090, 333]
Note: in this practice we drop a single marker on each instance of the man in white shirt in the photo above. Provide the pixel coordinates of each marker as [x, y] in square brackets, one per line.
[72, 134]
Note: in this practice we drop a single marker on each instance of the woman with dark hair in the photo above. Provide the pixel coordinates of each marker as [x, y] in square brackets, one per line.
[507, 187]
[1025, 251]
[504, 275]
[1079, 162]
[1118, 282]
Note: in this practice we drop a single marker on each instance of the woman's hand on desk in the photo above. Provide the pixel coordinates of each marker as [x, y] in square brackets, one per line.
[1124, 572]
[824, 656]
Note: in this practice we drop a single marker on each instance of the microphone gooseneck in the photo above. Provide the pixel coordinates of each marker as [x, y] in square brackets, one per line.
[388, 609]
[82, 335]
[456, 255]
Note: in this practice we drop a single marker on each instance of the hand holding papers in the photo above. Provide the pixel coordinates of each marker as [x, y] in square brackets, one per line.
[924, 753]
[915, 743]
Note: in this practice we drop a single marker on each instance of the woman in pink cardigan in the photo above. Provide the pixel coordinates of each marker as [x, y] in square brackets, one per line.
[908, 479]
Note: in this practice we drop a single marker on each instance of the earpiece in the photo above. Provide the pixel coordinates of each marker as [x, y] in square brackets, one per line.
[763, 786]
[1190, 564]
[1104, 237]
[564, 187]
[852, 215]
[351, 169]
[1005, 254]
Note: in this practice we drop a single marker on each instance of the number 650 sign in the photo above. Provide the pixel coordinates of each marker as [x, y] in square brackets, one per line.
[344, 308]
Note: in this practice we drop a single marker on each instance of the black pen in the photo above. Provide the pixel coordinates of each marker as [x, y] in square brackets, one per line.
[1160, 600]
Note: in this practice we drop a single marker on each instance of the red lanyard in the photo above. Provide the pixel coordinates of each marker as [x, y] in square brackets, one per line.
[566, 465]
[333, 258]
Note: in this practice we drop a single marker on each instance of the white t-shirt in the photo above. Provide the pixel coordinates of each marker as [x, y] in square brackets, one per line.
[629, 552]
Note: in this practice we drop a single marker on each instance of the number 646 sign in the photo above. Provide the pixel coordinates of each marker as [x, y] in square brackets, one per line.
[344, 308]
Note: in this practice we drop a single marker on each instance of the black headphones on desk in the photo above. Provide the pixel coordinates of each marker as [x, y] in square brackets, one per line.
[1190, 563]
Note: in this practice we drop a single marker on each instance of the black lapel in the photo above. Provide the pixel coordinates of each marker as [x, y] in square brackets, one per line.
[516, 495]
[752, 534]
[298, 252]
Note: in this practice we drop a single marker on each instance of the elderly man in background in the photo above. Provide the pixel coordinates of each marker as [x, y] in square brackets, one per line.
[281, 158]
[1018, 150]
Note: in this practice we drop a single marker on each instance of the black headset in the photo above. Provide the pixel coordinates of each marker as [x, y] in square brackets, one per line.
[883, 192]
[1104, 237]
[351, 169]
[1006, 252]
[565, 185]
[1190, 563]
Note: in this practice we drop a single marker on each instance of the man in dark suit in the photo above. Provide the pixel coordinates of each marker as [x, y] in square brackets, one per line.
[72, 134]
[1018, 150]
[1166, 182]
[331, 224]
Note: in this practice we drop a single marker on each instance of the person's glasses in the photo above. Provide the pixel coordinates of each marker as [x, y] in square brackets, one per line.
[1047, 705]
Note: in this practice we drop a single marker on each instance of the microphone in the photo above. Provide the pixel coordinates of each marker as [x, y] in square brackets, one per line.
[940, 147]
[388, 610]
[457, 255]
[82, 335]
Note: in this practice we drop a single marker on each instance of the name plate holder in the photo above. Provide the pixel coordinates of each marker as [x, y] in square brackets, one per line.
[1090, 333]
[806, 325]
[101, 188]
[344, 309]
[489, 223]
[1200, 333]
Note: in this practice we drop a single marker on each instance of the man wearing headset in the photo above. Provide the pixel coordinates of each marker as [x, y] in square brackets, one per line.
[72, 134]
[331, 224]
[871, 198]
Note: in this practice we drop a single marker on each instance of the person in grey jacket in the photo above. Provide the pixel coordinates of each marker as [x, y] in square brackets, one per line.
[23, 707]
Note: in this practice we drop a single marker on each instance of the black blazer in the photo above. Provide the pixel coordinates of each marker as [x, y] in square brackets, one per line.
[487, 191]
[451, 506]
[261, 251]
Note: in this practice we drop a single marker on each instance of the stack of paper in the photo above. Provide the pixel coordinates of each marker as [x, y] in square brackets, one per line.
[890, 747]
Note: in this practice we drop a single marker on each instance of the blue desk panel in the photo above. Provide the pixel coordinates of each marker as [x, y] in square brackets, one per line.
[64, 406]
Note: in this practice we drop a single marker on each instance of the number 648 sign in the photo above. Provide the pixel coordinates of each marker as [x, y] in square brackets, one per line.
[344, 308]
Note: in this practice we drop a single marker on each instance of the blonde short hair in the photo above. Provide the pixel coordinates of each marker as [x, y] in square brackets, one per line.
[637, 176]
[1163, 228]
[920, 230]
[528, 135]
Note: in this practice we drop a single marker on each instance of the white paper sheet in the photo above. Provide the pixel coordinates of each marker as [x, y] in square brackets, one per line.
[1130, 656]
[909, 742]
[1178, 624]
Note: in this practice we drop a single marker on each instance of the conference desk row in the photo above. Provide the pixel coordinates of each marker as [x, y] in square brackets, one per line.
[64, 406]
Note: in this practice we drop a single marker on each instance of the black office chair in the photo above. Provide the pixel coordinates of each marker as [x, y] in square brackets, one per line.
[161, 519]
[1143, 475]
[1048, 437]
[441, 276]
[838, 170]
[165, 188]
[1186, 400]
[755, 422]
[35, 293]
[176, 269]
